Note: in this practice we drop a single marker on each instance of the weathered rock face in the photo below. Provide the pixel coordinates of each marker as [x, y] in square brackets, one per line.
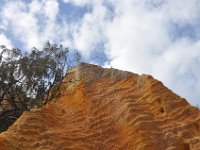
[108, 109]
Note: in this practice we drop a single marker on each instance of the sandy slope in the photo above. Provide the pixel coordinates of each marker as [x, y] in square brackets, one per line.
[108, 109]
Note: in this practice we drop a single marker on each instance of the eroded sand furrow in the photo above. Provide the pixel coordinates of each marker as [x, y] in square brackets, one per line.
[108, 109]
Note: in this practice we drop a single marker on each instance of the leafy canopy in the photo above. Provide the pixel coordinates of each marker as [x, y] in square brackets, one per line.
[26, 79]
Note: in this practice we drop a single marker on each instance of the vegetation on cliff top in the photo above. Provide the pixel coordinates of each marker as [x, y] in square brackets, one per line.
[27, 78]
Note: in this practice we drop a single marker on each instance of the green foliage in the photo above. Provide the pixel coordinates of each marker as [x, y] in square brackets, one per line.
[27, 79]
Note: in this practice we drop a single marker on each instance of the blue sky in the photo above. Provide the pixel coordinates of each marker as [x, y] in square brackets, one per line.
[157, 37]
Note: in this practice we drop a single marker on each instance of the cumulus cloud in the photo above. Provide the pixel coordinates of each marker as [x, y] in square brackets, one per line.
[5, 41]
[181, 12]
[90, 32]
[33, 23]
[158, 37]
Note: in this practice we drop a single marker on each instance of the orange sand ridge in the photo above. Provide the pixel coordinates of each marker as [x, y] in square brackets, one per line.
[108, 109]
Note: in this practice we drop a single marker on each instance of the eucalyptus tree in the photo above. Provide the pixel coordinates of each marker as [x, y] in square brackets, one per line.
[26, 79]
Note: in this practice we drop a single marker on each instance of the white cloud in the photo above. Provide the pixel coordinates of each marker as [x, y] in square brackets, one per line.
[34, 23]
[182, 11]
[90, 32]
[5, 41]
[136, 35]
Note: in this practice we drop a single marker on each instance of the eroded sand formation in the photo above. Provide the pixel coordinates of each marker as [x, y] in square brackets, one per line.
[108, 109]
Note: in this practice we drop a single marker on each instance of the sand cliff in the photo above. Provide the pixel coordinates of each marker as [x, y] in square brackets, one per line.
[108, 109]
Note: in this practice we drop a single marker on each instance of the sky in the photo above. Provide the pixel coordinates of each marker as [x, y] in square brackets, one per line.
[157, 37]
